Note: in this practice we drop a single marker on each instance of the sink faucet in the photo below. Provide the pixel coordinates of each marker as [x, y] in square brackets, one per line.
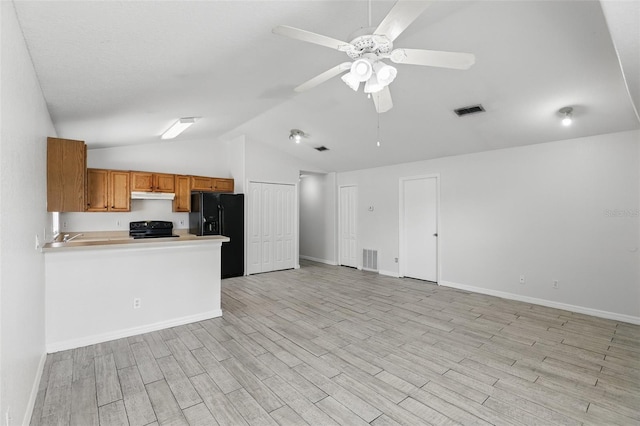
[66, 238]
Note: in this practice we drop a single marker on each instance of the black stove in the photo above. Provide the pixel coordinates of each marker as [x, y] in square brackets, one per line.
[151, 229]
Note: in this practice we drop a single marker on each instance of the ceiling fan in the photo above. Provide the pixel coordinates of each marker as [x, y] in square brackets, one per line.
[368, 50]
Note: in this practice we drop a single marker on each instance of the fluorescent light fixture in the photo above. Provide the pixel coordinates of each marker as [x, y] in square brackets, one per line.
[178, 127]
[568, 116]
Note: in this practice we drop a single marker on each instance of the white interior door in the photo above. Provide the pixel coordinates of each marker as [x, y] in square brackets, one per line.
[419, 208]
[348, 225]
[271, 227]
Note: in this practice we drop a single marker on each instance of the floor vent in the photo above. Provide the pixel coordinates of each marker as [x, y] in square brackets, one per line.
[469, 110]
[321, 148]
[370, 260]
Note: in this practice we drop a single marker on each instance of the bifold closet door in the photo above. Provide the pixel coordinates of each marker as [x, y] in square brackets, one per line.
[271, 227]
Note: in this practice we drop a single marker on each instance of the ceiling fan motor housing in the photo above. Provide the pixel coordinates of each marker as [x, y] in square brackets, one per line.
[369, 44]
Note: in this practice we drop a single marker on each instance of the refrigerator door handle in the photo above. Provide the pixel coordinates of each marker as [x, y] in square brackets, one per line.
[221, 218]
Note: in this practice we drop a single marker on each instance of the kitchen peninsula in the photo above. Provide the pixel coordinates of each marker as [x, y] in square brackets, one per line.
[102, 287]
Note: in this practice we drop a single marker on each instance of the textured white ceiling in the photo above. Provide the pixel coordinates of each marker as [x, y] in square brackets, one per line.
[117, 73]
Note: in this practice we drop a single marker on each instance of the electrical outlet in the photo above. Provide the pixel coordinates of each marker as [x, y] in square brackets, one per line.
[395, 259]
[64, 224]
[182, 222]
[118, 223]
[522, 279]
[137, 302]
[556, 284]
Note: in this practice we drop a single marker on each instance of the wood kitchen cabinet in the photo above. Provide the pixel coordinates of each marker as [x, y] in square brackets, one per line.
[201, 183]
[152, 182]
[182, 200]
[222, 185]
[108, 191]
[66, 175]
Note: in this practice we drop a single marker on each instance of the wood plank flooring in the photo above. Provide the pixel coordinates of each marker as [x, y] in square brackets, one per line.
[327, 345]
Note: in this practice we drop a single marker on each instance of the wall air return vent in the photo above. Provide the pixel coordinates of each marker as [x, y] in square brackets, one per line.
[370, 260]
[321, 148]
[468, 110]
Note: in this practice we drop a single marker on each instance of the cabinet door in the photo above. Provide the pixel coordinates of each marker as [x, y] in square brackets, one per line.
[119, 191]
[66, 175]
[141, 181]
[201, 183]
[182, 201]
[222, 185]
[97, 190]
[163, 182]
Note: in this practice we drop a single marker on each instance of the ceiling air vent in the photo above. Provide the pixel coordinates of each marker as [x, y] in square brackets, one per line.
[321, 148]
[469, 110]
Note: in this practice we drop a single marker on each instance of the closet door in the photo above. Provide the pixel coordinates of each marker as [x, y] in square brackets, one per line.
[272, 230]
[254, 249]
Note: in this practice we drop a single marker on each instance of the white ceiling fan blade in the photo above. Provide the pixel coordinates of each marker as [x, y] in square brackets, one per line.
[310, 37]
[319, 79]
[403, 13]
[382, 100]
[433, 58]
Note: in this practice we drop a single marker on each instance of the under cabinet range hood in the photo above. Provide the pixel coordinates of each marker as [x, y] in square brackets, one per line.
[137, 195]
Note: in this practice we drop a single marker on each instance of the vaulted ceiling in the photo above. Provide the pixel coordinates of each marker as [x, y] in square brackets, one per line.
[115, 73]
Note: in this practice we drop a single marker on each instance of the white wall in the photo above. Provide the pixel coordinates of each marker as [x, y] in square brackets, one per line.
[25, 124]
[564, 210]
[318, 217]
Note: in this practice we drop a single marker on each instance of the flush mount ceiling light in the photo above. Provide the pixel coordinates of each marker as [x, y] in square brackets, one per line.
[296, 135]
[567, 113]
[178, 127]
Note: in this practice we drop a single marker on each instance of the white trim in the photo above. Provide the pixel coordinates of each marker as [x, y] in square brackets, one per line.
[34, 391]
[549, 303]
[401, 254]
[389, 273]
[315, 259]
[127, 332]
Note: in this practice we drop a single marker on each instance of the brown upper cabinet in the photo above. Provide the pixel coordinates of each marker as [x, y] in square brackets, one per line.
[182, 200]
[152, 182]
[201, 183]
[108, 191]
[222, 185]
[66, 175]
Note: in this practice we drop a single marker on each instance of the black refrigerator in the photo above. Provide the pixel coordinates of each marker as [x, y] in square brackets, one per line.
[214, 213]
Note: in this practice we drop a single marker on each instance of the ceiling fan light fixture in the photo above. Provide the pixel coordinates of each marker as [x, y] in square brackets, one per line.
[362, 69]
[373, 85]
[351, 81]
[385, 73]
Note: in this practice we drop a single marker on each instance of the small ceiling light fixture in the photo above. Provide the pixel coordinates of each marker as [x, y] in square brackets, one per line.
[178, 127]
[567, 112]
[296, 135]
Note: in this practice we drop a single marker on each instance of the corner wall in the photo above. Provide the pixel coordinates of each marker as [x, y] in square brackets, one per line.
[25, 125]
[564, 211]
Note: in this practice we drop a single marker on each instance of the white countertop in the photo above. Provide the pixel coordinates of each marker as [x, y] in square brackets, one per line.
[121, 239]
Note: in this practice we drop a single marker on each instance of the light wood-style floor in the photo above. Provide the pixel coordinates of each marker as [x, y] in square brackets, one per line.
[329, 345]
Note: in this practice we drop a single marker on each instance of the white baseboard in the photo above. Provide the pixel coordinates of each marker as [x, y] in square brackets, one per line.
[389, 274]
[315, 259]
[549, 303]
[34, 391]
[119, 334]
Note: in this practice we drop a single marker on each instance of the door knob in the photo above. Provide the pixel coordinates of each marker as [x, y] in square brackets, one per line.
[435, 235]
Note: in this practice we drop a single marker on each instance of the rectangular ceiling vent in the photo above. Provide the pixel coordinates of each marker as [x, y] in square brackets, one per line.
[321, 148]
[469, 110]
